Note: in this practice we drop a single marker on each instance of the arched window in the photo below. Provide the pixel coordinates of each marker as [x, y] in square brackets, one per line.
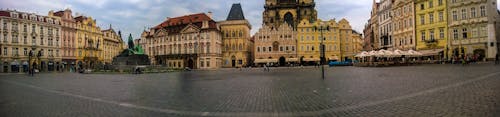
[241, 34]
[240, 47]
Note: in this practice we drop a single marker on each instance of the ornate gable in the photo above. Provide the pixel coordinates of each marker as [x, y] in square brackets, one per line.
[190, 28]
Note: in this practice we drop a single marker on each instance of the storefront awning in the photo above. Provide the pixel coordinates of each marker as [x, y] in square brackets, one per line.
[432, 52]
[266, 61]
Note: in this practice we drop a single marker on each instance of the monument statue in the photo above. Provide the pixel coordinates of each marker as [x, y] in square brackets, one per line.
[137, 50]
[133, 55]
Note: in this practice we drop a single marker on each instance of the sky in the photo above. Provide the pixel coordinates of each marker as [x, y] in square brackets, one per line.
[133, 16]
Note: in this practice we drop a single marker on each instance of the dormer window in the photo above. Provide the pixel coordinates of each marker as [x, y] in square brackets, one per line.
[15, 15]
[25, 16]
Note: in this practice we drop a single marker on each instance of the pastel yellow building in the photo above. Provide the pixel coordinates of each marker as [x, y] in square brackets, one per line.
[431, 27]
[237, 47]
[338, 41]
[89, 43]
[112, 45]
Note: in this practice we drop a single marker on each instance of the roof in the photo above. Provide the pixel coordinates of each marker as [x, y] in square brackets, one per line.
[5, 13]
[183, 20]
[236, 13]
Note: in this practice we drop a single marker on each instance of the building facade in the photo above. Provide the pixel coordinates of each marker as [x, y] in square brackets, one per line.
[112, 45]
[68, 44]
[89, 43]
[237, 47]
[338, 41]
[24, 33]
[403, 33]
[192, 41]
[275, 46]
[290, 11]
[431, 27]
[385, 24]
[371, 31]
[473, 28]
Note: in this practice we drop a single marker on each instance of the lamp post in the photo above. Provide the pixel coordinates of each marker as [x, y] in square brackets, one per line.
[30, 72]
[322, 28]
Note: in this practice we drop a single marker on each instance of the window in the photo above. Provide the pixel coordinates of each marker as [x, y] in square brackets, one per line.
[431, 34]
[464, 33]
[454, 15]
[208, 62]
[25, 51]
[281, 49]
[293, 48]
[441, 33]
[258, 49]
[15, 51]
[422, 19]
[33, 41]
[270, 49]
[25, 28]
[422, 33]
[431, 4]
[441, 17]
[202, 63]
[440, 2]
[474, 32]
[5, 51]
[483, 31]
[15, 39]
[5, 38]
[422, 7]
[472, 12]
[25, 39]
[302, 48]
[57, 53]
[301, 38]
[431, 18]
[483, 11]
[464, 14]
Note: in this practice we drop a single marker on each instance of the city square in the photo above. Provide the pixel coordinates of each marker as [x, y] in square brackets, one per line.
[424, 90]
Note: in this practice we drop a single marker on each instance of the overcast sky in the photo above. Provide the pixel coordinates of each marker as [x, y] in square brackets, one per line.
[131, 16]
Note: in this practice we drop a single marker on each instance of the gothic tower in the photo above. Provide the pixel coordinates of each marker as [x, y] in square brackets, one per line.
[291, 12]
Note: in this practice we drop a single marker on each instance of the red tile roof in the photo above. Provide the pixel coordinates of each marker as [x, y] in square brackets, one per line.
[193, 18]
[5, 13]
[175, 25]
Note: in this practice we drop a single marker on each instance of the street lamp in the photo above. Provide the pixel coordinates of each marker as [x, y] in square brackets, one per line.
[322, 28]
[29, 62]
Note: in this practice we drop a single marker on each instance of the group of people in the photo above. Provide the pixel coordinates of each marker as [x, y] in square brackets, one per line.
[465, 59]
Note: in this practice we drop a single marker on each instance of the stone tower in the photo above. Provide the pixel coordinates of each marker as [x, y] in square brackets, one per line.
[290, 11]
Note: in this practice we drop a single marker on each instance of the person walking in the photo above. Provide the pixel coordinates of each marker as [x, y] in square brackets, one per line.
[496, 59]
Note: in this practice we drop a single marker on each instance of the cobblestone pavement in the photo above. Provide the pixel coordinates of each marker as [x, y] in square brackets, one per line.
[428, 90]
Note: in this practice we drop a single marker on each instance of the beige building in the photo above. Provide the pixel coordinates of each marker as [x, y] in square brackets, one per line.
[403, 33]
[237, 47]
[371, 31]
[473, 28]
[385, 24]
[192, 41]
[22, 33]
[112, 45]
[275, 46]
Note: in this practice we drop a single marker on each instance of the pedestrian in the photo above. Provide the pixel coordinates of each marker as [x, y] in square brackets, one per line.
[265, 67]
[496, 59]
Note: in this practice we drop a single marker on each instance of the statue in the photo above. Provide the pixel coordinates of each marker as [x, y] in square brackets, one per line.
[134, 49]
[133, 55]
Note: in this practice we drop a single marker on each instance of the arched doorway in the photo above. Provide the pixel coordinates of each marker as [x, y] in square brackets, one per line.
[233, 61]
[481, 53]
[282, 61]
[191, 64]
[289, 19]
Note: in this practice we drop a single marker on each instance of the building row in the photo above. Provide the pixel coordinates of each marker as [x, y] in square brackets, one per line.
[56, 42]
[441, 29]
[289, 35]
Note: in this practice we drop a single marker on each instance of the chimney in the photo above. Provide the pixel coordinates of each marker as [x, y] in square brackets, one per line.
[210, 14]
